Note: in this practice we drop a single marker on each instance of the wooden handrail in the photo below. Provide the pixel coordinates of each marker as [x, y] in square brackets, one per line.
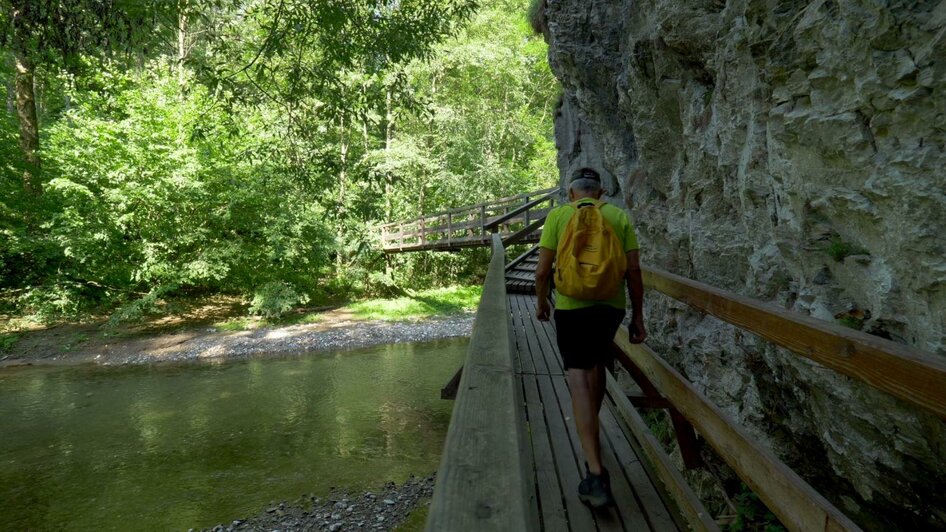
[900, 370]
[517, 211]
[476, 207]
[482, 482]
[520, 234]
[795, 503]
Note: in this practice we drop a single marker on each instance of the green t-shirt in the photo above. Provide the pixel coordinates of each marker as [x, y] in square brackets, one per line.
[554, 227]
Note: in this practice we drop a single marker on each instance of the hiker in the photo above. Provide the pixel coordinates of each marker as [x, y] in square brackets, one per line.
[597, 254]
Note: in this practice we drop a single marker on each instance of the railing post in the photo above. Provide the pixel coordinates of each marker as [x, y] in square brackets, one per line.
[527, 211]
[423, 232]
[400, 236]
[483, 220]
[449, 228]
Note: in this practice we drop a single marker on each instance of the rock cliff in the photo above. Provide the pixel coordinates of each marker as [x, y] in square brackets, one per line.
[792, 152]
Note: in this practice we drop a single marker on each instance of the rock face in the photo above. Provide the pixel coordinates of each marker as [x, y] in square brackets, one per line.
[792, 152]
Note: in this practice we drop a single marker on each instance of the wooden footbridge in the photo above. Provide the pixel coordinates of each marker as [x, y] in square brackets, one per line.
[512, 459]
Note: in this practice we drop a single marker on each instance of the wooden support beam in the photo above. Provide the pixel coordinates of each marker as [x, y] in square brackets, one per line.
[796, 504]
[449, 390]
[648, 403]
[682, 429]
[900, 370]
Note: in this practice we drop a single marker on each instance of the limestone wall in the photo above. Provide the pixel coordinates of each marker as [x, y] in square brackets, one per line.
[792, 152]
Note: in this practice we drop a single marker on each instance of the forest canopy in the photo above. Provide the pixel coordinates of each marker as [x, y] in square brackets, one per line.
[249, 147]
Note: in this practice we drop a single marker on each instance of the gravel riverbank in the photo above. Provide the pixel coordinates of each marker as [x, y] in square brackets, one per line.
[303, 338]
[211, 344]
[372, 510]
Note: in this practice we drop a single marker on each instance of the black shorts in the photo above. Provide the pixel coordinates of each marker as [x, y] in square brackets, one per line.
[585, 335]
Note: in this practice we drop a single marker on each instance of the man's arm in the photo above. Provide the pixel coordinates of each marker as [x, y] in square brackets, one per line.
[635, 284]
[543, 274]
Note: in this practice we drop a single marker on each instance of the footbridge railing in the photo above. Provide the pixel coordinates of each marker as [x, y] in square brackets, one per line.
[905, 372]
[515, 218]
[483, 482]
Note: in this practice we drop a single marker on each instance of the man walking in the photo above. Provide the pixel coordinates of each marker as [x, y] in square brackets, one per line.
[597, 254]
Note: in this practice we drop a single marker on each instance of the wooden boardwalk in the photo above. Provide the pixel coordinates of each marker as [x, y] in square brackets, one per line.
[513, 461]
[557, 459]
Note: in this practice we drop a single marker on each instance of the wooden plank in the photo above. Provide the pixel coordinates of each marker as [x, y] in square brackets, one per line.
[627, 505]
[539, 356]
[602, 517]
[546, 333]
[522, 343]
[650, 499]
[483, 482]
[580, 517]
[550, 489]
[673, 482]
[524, 257]
[789, 497]
[900, 370]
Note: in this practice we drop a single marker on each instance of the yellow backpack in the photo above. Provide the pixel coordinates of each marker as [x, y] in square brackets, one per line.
[590, 258]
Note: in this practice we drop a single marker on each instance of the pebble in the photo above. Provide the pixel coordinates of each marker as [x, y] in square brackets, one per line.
[341, 511]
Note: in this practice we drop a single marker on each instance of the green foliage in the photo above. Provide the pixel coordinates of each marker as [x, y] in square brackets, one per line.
[752, 515]
[839, 249]
[852, 322]
[421, 304]
[275, 298]
[8, 341]
[260, 164]
[536, 16]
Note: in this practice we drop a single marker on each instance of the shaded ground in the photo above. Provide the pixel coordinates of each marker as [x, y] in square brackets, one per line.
[200, 332]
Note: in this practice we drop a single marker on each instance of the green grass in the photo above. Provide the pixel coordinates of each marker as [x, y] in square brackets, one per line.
[7, 341]
[839, 249]
[414, 306]
[234, 324]
[416, 520]
[851, 322]
[422, 304]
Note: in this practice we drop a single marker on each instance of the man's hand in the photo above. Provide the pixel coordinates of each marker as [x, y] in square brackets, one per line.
[637, 331]
[543, 310]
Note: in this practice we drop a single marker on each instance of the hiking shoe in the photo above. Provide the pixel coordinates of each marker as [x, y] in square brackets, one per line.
[595, 490]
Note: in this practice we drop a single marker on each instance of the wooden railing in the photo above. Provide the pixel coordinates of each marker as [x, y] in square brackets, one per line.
[910, 374]
[482, 482]
[516, 218]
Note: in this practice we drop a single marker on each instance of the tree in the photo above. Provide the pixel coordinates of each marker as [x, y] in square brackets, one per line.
[53, 33]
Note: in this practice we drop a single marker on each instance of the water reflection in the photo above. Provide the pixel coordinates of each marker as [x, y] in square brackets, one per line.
[174, 447]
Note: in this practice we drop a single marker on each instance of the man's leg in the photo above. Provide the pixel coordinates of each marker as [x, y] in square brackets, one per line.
[587, 390]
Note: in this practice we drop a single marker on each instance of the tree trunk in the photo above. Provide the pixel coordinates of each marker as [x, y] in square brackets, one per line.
[181, 43]
[342, 183]
[29, 123]
[388, 179]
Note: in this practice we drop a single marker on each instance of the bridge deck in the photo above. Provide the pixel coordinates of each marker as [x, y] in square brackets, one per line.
[556, 450]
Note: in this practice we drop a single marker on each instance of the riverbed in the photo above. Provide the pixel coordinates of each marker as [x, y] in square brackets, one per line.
[191, 445]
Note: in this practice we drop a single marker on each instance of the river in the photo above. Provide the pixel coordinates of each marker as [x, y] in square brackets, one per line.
[191, 445]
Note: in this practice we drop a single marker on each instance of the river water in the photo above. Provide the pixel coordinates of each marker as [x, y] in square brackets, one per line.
[178, 446]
